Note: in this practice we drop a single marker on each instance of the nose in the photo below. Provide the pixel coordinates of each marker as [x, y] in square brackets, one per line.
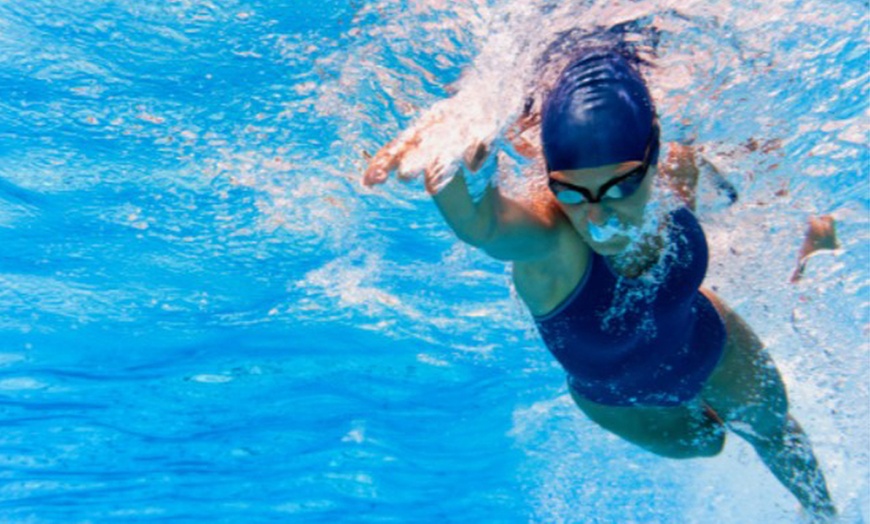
[595, 214]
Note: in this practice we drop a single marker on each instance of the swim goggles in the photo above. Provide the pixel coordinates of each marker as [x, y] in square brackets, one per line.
[615, 189]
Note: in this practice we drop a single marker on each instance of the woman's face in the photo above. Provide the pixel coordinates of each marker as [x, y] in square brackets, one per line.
[609, 225]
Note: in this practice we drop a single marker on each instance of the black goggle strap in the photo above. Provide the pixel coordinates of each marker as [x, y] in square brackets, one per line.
[651, 156]
[556, 186]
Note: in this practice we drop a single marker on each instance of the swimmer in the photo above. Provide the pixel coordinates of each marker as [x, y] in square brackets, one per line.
[613, 279]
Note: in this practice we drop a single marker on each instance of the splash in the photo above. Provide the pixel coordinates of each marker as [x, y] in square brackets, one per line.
[749, 85]
[180, 201]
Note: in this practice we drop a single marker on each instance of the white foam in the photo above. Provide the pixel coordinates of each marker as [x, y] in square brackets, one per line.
[611, 228]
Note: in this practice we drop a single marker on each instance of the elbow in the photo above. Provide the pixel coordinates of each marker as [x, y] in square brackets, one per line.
[491, 243]
[478, 235]
[477, 230]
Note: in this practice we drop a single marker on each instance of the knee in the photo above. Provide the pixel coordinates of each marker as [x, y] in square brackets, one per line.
[763, 431]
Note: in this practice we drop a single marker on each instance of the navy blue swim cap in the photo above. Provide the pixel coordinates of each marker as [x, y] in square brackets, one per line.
[599, 113]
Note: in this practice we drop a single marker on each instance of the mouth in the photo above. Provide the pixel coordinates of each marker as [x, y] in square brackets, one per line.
[609, 230]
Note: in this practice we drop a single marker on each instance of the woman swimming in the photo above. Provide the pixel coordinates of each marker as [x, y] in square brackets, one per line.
[614, 282]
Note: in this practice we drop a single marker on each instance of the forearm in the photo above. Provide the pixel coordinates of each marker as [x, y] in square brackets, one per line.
[473, 222]
[503, 228]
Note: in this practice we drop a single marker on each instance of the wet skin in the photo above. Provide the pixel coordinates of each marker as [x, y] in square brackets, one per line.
[549, 244]
[628, 211]
[745, 393]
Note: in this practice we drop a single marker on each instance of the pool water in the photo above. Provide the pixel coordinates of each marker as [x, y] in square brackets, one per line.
[205, 317]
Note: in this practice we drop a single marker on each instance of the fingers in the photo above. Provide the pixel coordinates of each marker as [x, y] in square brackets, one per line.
[431, 179]
[436, 177]
[406, 176]
[383, 163]
[389, 159]
[375, 175]
[379, 169]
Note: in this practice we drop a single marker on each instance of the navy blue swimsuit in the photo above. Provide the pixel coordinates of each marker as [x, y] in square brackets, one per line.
[650, 341]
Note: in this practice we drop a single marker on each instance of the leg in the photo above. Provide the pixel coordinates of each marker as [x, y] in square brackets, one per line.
[747, 391]
[821, 234]
[678, 432]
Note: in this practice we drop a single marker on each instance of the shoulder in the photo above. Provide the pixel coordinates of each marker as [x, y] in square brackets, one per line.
[519, 228]
[686, 223]
[690, 256]
[545, 283]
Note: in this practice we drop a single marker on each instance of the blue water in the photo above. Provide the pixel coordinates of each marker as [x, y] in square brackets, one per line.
[204, 316]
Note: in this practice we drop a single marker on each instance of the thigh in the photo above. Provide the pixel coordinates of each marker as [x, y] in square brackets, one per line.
[677, 432]
[745, 389]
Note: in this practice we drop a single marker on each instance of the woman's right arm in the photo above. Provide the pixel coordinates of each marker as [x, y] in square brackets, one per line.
[502, 227]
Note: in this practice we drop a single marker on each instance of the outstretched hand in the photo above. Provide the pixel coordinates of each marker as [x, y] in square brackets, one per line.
[436, 175]
[439, 173]
[389, 159]
[440, 139]
[392, 156]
